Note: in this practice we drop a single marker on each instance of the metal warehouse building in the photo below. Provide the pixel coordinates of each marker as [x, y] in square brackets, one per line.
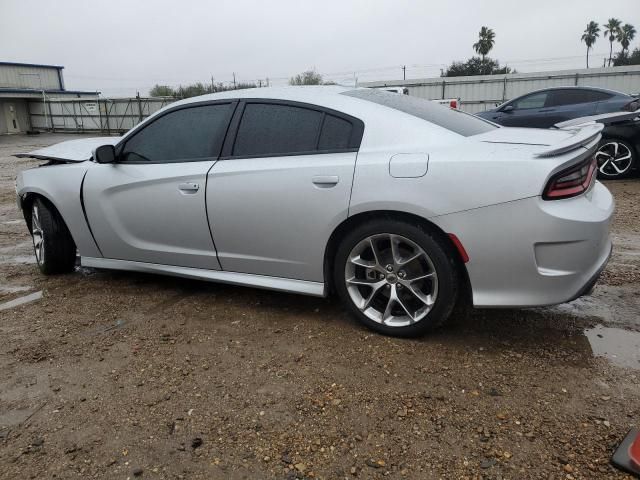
[22, 84]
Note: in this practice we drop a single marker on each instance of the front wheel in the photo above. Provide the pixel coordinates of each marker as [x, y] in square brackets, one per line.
[396, 278]
[615, 159]
[53, 246]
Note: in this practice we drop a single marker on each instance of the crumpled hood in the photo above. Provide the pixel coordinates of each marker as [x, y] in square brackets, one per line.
[551, 142]
[79, 150]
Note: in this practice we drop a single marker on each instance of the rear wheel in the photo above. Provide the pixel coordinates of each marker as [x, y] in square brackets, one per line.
[615, 159]
[396, 278]
[53, 246]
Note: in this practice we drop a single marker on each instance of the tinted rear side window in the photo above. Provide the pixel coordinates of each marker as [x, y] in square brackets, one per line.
[271, 129]
[575, 96]
[336, 133]
[186, 134]
[454, 120]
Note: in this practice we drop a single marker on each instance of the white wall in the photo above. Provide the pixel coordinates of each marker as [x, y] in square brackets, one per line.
[483, 92]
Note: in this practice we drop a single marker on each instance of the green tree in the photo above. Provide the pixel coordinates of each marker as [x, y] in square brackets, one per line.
[626, 34]
[591, 33]
[624, 58]
[162, 91]
[310, 77]
[195, 89]
[485, 41]
[612, 30]
[475, 66]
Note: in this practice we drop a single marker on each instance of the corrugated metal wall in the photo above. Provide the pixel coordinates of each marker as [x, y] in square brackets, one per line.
[483, 92]
[18, 76]
[93, 115]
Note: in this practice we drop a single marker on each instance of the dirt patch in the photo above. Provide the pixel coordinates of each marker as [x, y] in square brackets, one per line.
[117, 375]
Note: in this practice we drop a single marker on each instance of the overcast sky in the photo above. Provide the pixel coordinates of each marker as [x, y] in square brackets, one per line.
[122, 46]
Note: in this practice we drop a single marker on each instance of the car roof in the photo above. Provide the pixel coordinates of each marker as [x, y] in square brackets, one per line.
[307, 93]
[572, 87]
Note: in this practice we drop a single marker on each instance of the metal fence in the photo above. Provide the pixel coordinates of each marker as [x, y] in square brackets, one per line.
[110, 116]
[483, 92]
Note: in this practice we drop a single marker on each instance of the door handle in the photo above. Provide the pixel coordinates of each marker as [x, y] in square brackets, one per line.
[189, 187]
[325, 181]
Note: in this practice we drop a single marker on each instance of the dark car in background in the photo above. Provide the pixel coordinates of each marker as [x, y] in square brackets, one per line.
[545, 108]
[620, 146]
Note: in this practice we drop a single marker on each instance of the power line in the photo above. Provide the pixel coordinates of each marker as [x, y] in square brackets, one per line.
[344, 76]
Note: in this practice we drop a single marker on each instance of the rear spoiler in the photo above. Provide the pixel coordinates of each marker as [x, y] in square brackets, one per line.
[604, 118]
[584, 136]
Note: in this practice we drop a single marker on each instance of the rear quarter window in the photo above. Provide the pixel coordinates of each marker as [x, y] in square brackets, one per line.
[454, 120]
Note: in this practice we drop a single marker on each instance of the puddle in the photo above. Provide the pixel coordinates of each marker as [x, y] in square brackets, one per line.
[21, 301]
[617, 305]
[620, 347]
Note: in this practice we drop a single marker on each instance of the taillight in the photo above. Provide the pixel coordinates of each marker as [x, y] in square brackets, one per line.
[632, 106]
[571, 182]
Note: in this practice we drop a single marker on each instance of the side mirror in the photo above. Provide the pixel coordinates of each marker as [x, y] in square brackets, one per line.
[105, 154]
[507, 109]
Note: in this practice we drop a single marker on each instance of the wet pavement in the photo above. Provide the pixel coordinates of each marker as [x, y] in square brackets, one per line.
[103, 373]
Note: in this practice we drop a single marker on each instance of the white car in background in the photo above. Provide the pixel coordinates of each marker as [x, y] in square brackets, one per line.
[400, 206]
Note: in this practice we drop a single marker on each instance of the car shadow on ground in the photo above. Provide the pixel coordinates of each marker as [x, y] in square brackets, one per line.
[543, 332]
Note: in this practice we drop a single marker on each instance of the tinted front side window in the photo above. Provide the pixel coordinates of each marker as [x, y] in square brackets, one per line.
[271, 129]
[186, 134]
[454, 120]
[537, 100]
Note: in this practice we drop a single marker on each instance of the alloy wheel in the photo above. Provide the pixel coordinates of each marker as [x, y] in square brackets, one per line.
[391, 280]
[37, 234]
[614, 159]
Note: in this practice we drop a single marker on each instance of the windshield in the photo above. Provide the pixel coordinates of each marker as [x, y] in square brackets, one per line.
[459, 122]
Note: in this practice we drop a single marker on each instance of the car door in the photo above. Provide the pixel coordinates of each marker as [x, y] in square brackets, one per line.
[281, 187]
[568, 103]
[149, 206]
[526, 111]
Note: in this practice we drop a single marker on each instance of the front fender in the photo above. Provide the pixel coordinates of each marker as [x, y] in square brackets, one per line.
[61, 185]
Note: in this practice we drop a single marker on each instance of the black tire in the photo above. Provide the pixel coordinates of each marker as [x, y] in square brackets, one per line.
[439, 253]
[56, 250]
[605, 156]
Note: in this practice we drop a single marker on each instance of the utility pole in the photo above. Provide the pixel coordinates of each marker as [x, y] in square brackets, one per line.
[404, 72]
[234, 80]
[267, 81]
[213, 88]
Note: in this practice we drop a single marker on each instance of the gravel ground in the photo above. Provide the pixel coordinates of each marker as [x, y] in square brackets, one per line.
[123, 375]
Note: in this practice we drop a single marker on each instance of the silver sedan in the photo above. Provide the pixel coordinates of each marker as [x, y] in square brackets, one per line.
[399, 206]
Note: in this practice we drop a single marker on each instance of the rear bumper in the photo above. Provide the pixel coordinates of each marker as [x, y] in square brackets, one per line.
[533, 252]
[588, 288]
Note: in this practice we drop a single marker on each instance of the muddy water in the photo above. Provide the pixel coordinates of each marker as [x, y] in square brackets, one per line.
[620, 347]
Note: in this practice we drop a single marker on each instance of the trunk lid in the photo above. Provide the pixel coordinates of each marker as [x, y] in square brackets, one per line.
[79, 150]
[548, 142]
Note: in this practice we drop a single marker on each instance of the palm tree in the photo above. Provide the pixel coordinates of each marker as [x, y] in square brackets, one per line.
[485, 43]
[626, 34]
[589, 36]
[613, 31]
